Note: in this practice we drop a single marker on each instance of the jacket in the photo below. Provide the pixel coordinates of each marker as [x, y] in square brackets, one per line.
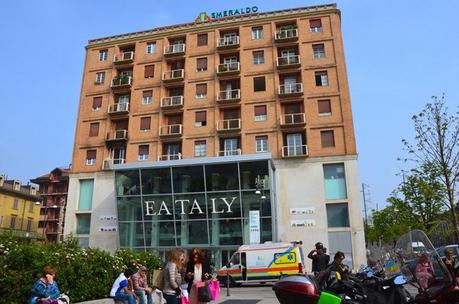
[190, 268]
[171, 279]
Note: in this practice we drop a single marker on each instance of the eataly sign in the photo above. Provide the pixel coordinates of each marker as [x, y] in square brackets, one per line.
[152, 208]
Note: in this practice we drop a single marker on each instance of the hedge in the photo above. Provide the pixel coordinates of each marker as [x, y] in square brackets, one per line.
[83, 274]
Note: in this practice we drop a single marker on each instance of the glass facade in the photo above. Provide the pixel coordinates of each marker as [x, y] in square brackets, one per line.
[205, 206]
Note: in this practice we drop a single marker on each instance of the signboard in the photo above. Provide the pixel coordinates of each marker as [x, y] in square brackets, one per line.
[204, 17]
[219, 205]
[254, 226]
[303, 223]
[307, 210]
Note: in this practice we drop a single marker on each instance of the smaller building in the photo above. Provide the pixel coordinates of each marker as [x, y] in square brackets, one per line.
[19, 210]
[53, 188]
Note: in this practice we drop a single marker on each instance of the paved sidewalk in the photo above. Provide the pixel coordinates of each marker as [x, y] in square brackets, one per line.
[248, 294]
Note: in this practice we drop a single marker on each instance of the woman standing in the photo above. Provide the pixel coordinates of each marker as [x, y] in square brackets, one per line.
[197, 270]
[172, 277]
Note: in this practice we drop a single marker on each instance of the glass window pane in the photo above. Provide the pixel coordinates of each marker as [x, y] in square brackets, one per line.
[156, 181]
[159, 234]
[341, 241]
[127, 182]
[266, 230]
[188, 179]
[335, 181]
[223, 205]
[131, 234]
[222, 177]
[129, 209]
[226, 232]
[158, 208]
[190, 206]
[251, 170]
[337, 215]
[192, 233]
[83, 223]
[86, 190]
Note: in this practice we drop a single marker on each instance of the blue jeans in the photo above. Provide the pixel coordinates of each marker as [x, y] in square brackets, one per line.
[142, 295]
[171, 299]
[125, 297]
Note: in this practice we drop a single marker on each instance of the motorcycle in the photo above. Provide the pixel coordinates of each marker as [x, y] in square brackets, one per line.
[438, 287]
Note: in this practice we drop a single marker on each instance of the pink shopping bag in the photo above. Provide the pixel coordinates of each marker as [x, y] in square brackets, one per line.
[214, 287]
[184, 300]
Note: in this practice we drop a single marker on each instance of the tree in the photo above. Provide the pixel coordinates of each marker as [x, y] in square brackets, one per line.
[436, 143]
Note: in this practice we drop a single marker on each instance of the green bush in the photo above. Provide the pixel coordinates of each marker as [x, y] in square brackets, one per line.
[83, 274]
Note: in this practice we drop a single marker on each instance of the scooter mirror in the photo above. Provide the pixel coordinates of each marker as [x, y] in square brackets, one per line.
[399, 280]
[370, 274]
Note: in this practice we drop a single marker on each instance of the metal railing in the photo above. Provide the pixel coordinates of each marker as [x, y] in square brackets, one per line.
[171, 101]
[171, 130]
[229, 124]
[117, 135]
[293, 88]
[294, 150]
[229, 95]
[170, 157]
[230, 152]
[124, 56]
[109, 162]
[288, 60]
[118, 107]
[173, 74]
[121, 81]
[287, 34]
[228, 41]
[293, 119]
[229, 67]
[174, 48]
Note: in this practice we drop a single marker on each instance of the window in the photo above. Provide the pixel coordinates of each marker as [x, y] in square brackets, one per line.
[201, 64]
[260, 113]
[324, 107]
[321, 79]
[327, 138]
[202, 39]
[103, 55]
[86, 191]
[151, 47]
[147, 97]
[100, 77]
[257, 33]
[261, 143]
[31, 206]
[96, 103]
[145, 123]
[342, 241]
[315, 25]
[94, 129]
[337, 215]
[13, 222]
[29, 224]
[149, 71]
[83, 223]
[200, 148]
[91, 157]
[200, 119]
[201, 90]
[318, 51]
[258, 57]
[143, 152]
[259, 84]
[335, 181]
[15, 204]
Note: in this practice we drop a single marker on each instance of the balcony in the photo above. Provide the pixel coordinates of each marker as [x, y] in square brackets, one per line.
[285, 62]
[228, 68]
[286, 35]
[124, 58]
[229, 96]
[292, 89]
[118, 108]
[230, 152]
[171, 102]
[293, 120]
[228, 125]
[170, 157]
[294, 151]
[109, 162]
[171, 130]
[174, 50]
[121, 83]
[118, 135]
[173, 75]
[228, 42]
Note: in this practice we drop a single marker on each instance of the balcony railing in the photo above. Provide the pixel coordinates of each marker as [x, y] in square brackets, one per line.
[174, 49]
[121, 81]
[294, 151]
[227, 42]
[288, 61]
[287, 34]
[229, 124]
[171, 130]
[117, 135]
[109, 162]
[172, 101]
[170, 157]
[229, 95]
[229, 68]
[118, 108]
[291, 89]
[230, 152]
[293, 119]
[125, 57]
[174, 75]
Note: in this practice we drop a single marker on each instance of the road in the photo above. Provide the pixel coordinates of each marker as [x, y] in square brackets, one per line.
[249, 294]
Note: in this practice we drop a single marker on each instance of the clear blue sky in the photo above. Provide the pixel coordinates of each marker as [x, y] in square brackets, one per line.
[398, 54]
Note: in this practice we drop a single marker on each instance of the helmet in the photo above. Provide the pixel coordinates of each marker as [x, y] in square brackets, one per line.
[319, 245]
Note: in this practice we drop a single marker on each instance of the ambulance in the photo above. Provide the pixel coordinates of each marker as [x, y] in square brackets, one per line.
[262, 263]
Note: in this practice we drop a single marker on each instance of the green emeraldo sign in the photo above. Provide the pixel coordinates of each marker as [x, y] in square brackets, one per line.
[204, 17]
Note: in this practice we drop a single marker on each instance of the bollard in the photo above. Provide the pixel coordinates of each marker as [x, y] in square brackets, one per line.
[227, 284]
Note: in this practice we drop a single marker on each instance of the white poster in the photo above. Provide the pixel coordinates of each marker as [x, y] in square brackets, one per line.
[254, 226]
[307, 210]
[303, 223]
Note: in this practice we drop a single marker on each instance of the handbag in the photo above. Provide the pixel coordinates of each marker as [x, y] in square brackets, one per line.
[214, 287]
[184, 299]
[204, 294]
[157, 280]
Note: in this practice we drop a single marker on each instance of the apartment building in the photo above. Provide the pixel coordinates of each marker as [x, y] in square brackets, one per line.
[218, 133]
